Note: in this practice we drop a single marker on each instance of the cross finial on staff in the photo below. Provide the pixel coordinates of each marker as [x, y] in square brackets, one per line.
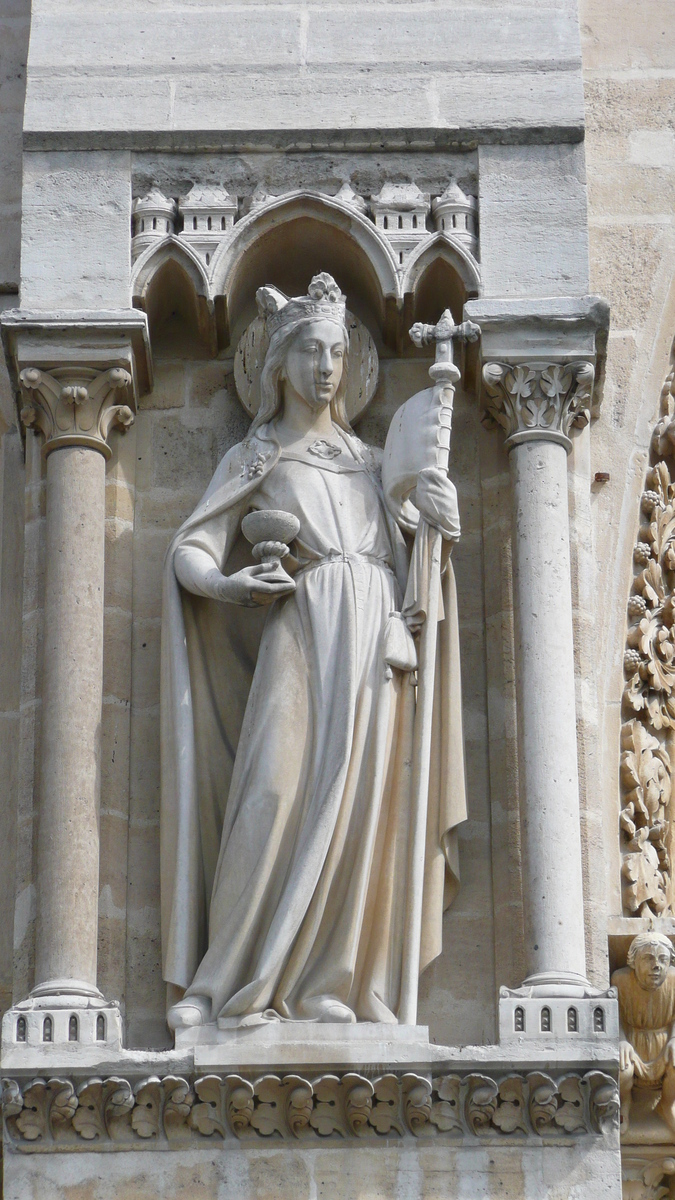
[444, 369]
[444, 331]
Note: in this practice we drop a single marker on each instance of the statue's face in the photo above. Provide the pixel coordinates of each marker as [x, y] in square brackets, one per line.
[651, 966]
[314, 362]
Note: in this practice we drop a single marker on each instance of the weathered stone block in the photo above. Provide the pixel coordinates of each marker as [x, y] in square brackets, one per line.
[180, 452]
[86, 260]
[205, 385]
[612, 247]
[169, 389]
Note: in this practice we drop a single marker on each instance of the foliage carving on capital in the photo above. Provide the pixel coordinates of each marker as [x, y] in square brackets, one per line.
[644, 1176]
[649, 689]
[538, 401]
[76, 406]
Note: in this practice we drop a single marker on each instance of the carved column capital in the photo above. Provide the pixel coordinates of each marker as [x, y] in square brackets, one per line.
[537, 400]
[76, 406]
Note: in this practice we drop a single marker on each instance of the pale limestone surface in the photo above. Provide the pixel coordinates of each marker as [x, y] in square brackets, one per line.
[412, 1173]
[85, 200]
[14, 31]
[154, 69]
[533, 233]
[162, 465]
[629, 105]
[67, 855]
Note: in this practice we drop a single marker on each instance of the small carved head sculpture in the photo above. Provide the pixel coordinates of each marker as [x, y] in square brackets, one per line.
[649, 956]
[308, 348]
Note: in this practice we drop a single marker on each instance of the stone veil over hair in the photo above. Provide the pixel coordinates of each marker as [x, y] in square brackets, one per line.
[285, 317]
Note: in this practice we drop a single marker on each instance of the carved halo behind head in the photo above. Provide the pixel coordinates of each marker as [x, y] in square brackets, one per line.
[272, 331]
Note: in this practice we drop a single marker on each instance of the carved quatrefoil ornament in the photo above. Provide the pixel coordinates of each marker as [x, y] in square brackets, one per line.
[363, 366]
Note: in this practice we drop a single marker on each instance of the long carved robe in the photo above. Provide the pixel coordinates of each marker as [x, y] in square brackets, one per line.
[285, 754]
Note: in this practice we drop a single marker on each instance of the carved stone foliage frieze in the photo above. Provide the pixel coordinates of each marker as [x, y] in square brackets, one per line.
[62, 1113]
[76, 406]
[538, 400]
[649, 692]
[646, 1176]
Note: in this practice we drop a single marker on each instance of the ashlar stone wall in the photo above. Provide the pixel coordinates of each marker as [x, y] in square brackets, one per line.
[630, 159]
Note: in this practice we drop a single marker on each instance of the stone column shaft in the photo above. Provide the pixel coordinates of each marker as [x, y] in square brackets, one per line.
[74, 408]
[536, 403]
[68, 837]
[550, 831]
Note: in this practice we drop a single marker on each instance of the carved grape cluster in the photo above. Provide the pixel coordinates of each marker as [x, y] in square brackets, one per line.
[649, 693]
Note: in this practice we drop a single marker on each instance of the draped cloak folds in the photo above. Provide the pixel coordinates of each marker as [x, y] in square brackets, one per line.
[209, 653]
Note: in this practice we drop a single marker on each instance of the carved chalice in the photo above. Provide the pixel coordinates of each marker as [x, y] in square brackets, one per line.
[270, 532]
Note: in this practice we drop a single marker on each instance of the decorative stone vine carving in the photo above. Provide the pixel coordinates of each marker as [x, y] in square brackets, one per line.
[538, 400]
[58, 1113]
[649, 693]
[645, 779]
[646, 1178]
[76, 406]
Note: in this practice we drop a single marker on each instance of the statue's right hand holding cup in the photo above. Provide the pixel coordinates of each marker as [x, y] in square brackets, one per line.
[270, 531]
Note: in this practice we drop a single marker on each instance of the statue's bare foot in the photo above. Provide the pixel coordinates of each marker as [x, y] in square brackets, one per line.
[190, 1012]
[329, 1009]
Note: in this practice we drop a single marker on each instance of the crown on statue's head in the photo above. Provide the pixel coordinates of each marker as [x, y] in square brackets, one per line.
[323, 299]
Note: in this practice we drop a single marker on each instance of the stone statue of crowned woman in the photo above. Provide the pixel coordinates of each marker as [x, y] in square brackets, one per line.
[288, 699]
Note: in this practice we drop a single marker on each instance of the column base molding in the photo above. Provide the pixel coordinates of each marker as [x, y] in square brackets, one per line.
[59, 1013]
[557, 983]
[63, 993]
[551, 1011]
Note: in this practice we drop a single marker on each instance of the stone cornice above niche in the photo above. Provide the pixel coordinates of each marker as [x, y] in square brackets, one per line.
[405, 220]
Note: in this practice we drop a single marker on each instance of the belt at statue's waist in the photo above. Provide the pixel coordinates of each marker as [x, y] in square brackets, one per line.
[327, 559]
[636, 1029]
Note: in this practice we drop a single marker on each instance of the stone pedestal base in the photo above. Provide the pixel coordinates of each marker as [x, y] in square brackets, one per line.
[317, 1113]
[41, 1026]
[305, 1044]
[523, 1016]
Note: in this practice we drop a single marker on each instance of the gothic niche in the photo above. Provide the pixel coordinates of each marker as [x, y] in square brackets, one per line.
[647, 734]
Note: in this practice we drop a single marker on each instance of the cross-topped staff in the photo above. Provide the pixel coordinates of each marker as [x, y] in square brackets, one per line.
[433, 450]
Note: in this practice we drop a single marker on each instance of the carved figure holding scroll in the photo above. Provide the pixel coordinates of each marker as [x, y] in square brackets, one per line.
[646, 988]
[288, 707]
